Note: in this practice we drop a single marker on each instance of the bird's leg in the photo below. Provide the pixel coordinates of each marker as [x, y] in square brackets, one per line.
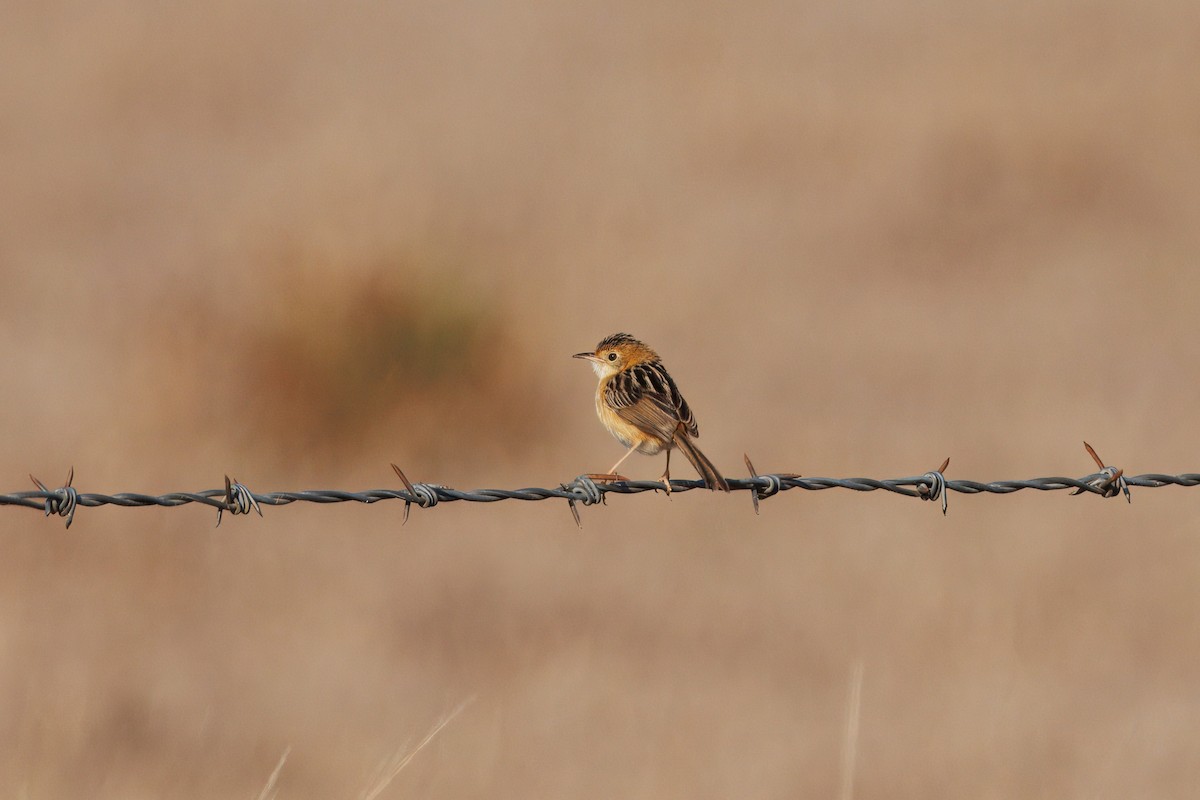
[612, 474]
[622, 460]
[666, 476]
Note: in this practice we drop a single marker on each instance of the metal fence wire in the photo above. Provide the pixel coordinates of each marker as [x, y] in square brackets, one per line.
[586, 490]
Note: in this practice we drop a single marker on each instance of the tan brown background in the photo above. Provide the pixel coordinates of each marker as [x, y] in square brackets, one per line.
[295, 242]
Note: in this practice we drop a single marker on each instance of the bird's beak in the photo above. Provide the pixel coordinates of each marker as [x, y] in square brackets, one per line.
[588, 356]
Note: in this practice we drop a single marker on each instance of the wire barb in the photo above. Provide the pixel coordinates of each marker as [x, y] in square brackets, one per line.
[935, 485]
[765, 486]
[65, 498]
[238, 500]
[423, 494]
[582, 490]
[1109, 482]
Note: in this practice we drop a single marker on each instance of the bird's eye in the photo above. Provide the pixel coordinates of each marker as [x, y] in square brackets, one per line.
[612, 356]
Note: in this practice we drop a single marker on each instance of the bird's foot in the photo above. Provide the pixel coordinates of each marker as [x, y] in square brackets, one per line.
[606, 477]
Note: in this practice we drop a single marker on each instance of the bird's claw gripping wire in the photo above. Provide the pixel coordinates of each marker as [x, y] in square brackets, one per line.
[934, 485]
[238, 500]
[774, 483]
[585, 491]
[65, 499]
[423, 494]
[1110, 481]
[606, 477]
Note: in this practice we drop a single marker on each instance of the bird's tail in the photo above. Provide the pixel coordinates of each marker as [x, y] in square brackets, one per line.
[712, 478]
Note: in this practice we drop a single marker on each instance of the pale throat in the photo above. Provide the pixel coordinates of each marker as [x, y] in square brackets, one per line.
[603, 370]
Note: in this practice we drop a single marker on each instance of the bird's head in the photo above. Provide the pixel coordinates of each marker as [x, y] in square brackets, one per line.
[616, 353]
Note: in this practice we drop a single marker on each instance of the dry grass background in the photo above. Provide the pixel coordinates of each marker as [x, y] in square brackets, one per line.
[294, 242]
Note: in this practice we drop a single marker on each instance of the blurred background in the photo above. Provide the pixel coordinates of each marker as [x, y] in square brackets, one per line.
[295, 242]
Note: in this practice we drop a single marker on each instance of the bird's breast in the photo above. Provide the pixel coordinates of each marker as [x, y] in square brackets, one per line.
[624, 431]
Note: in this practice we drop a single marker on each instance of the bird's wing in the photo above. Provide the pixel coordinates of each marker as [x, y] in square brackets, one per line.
[645, 396]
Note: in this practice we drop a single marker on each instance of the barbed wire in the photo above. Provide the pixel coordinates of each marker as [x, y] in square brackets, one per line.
[586, 490]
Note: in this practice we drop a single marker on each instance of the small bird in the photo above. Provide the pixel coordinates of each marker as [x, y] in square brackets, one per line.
[640, 404]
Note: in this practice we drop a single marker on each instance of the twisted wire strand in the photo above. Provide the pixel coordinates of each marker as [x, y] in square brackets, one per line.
[236, 498]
